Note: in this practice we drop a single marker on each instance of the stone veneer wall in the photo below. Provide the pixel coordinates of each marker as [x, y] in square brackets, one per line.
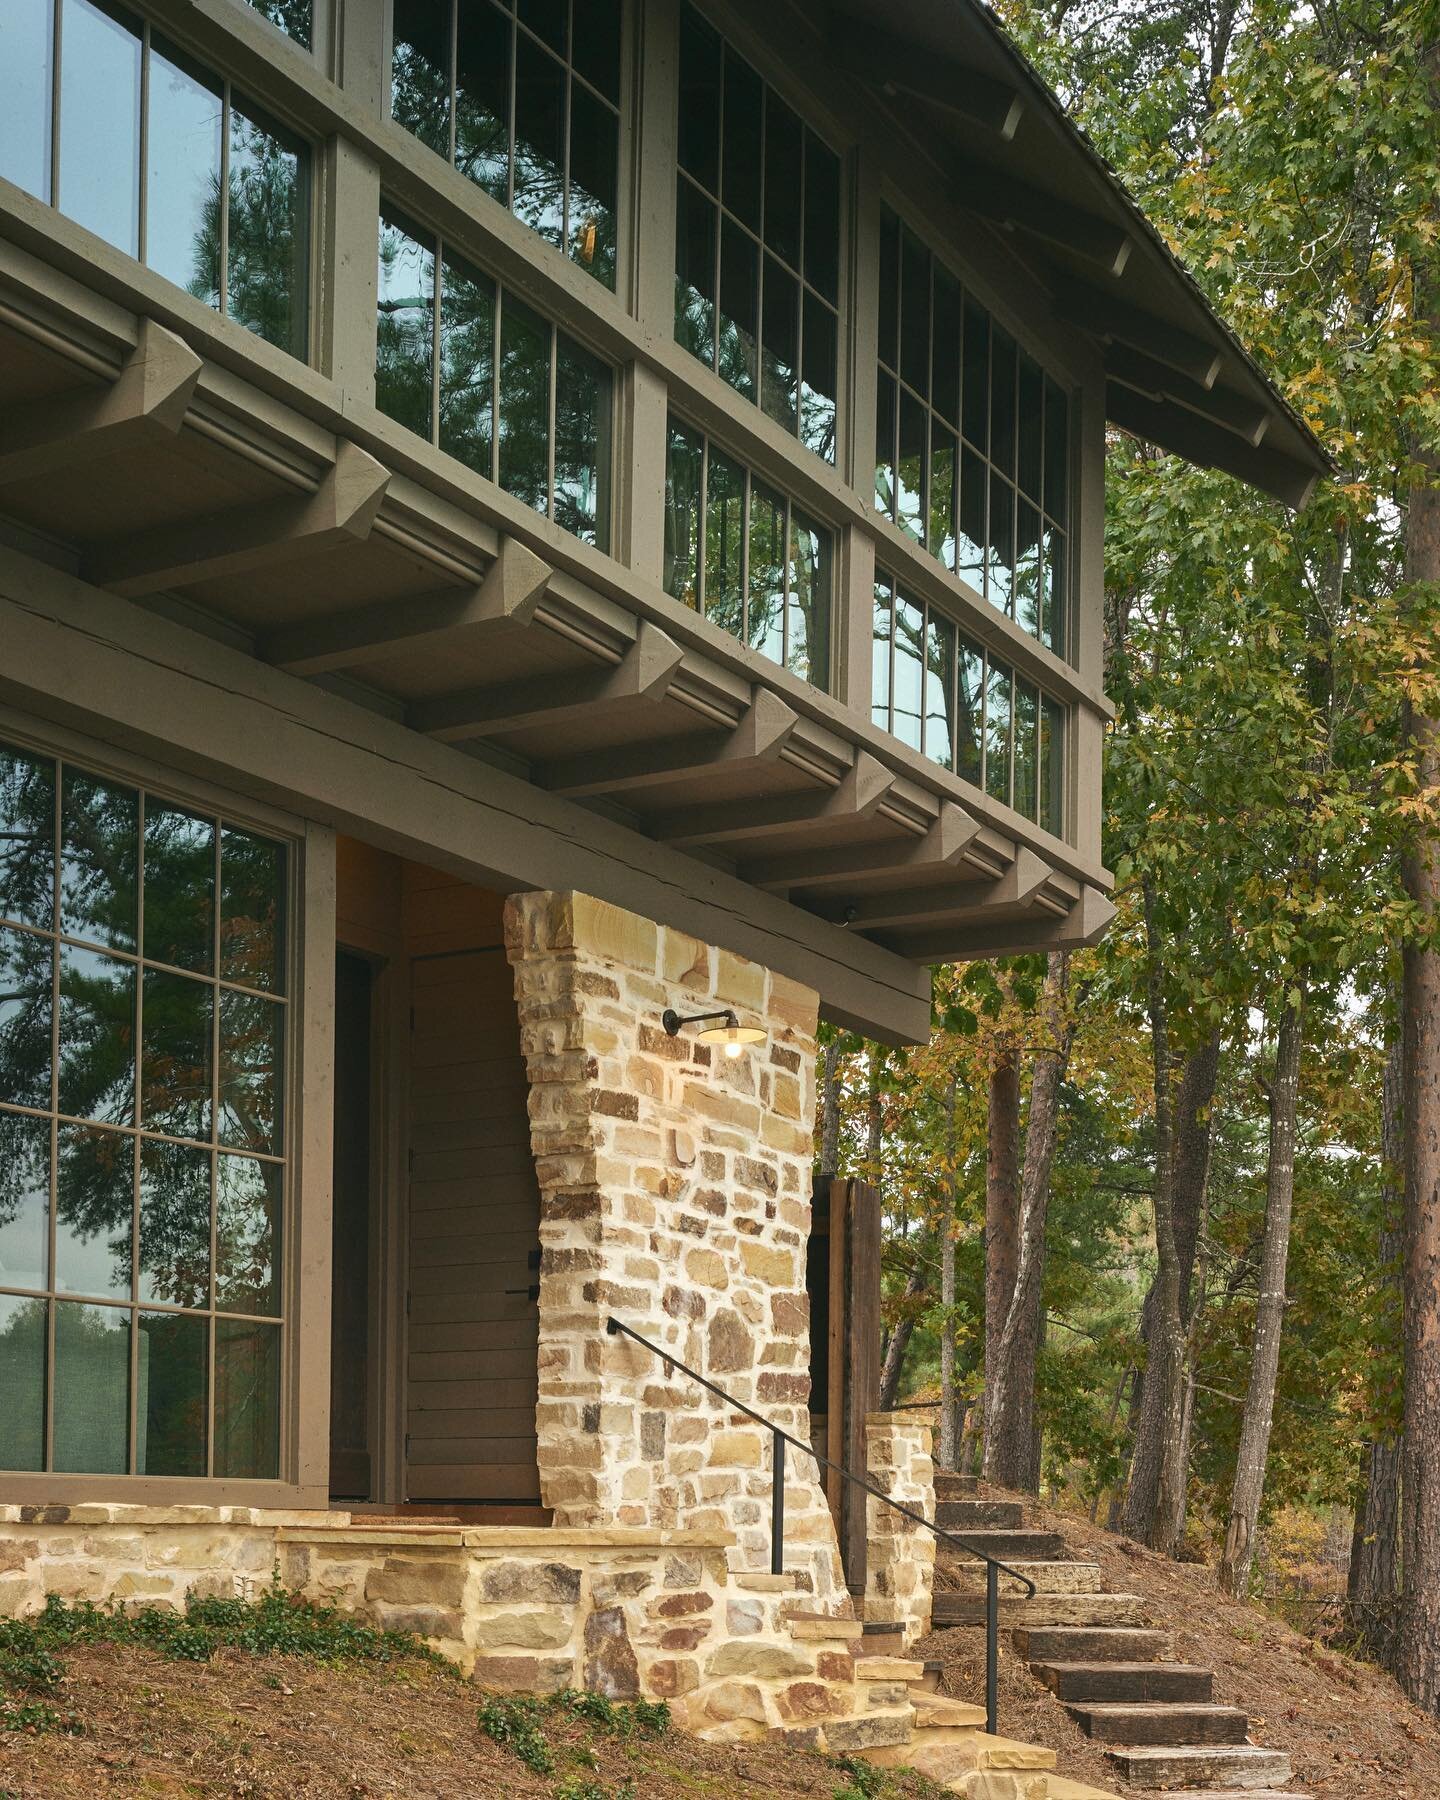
[900, 1561]
[675, 1194]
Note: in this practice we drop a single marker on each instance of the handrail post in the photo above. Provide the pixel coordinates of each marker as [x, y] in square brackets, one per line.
[992, 1646]
[777, 1506]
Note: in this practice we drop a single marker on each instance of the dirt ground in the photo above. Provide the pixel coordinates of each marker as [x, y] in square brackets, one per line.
[1350, 1733]
[262, 1728]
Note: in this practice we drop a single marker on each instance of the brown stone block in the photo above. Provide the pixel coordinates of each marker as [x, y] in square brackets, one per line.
[729, 1345]
[684, 1637]
[758, 1175]
[550, 1582]
[683, 1303]
[773, 1385]
[523, 1674]
[834, 1665]
[670, 1677]
[614, 1105]
[422, 1581]
[678, 1606]
[610, 1667]
[808, 1700]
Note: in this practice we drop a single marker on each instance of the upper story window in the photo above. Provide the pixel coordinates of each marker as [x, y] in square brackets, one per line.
[296, 18]
[972, 441]
[526, 102]
[968, 711]
[757, 240]
[478, 373]
[160, 158]
[143, 1037]
[746, 556]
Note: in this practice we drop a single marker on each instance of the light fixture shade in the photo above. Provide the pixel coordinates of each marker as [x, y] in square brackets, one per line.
[733, 1033]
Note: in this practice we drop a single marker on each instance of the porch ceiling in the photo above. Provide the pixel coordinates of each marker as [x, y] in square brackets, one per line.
[129, 460]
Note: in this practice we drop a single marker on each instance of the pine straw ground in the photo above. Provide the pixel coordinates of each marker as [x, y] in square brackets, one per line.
[1350, 1733]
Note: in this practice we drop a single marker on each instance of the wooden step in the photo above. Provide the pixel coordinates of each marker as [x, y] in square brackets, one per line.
[1066, 1610]
[1008, 1546]
[1048, 1577]
[954, 1487]
[1108, 1681]
[1091, 1644]
[1231, 1768]
[1161, 1722]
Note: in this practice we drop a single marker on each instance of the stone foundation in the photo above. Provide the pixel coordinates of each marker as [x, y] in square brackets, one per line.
[900, 1555]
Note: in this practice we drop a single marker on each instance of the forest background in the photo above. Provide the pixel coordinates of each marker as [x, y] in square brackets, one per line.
[1181, 1192]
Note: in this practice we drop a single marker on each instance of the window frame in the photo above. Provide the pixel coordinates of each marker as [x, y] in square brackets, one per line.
[309, 949]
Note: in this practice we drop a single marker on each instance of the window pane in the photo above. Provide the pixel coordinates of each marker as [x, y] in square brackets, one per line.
[909, 674]
[175, 1029]
[252, 910]
[885, 444]
[740, 176]
[1000, 563]
[725, 545]
[404, 345]
[420, 71]
[247, 1235]
[92, 1388]
[595, 47]
[684, 466]
[524, 406]
[739, 304]
[940, 537]
[27, 838]
[482, 97]
[808, 629]
[269, 205]
[970, 540]
[97, 1036]
[594, 183]
[182, 206]
[780, 351]
[174, 1224]
[997, 733]
[889, 290]
[1027, 568]
[939, 690]
[969, 710]
[173, 1397]
[822, 219]
[1027, 725]
[548, 19]
[26, 47]
[915, 313]
[582, 443]
[880, 657]
[975, 398]
[1002, 400]
[179, 888]
[99, 874]
[910, 483]
[818, 378]
[251, 1072]
[784, 150]
[467, 366]
[1052, 766]
[94, 1207]
[695, 273]
[100, 123]
[1030, 423]
[25, 1015]
[1055, 578]
[765, 617]
[22, 1381]
[294, 17]
[539, 195]
[945, 347]
[24, 1204]
[247, 1400]
[1057, 452]
[699, 100]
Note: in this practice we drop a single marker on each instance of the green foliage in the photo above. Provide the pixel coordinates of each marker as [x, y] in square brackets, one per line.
[866, 1781]
[518, 1724]
[515, 1723]
[624, 1719]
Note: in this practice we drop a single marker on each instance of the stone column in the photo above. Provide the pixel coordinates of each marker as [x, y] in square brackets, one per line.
[675, 1195]
[899, 1555]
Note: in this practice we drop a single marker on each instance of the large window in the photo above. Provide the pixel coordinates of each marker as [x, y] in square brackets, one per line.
[965, 709]
[126, 135]
[744, 555]
[143, 1029]
[474, 370]
[296, 18]
[757, 240]
[524, 101]
[972, 440]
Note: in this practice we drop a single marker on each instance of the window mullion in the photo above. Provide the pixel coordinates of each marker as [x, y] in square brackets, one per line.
[224, 198]
[436, 302]
[143, 209]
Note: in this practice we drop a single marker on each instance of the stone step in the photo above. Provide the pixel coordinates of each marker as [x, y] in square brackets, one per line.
[1009, 1546]
[821, 1627]
[954, 1487]
[1212, 1794]
[1049, 1577]
[1062, 1788]
[1161, 1722]
[874, 1733]
[1231, 1768]
[980, 1515]
[1068, 1610]
[947, 1755]
[1126, 1681]
[1091, 1644]
[940, 1709]
[1003, 1784]
[934, 1674]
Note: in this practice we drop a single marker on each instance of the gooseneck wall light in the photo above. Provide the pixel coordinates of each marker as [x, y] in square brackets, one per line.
[721, 1028]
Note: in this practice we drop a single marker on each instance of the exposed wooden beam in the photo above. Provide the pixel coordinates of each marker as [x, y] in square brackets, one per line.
[759, 735]
[859, 794]
[644, 672]
[246, 538]
[1115, 320]
[1083, 924]
[995, 195]
[909, 907]
[1220, 406]
[884, 61]
[1212, 446]
[148, 401]
[506, 597]
[945, 842]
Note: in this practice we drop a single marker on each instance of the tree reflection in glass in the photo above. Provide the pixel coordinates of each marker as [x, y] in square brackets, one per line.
[97, 1036]
[94, 1206]
[23, 1330]
[525, 405]
[247, 1235]
[179, 888]
[27, 838]
[252, 906]
[100, 861]
[174, 1224]
[467, 366]
[251, 1072]
[24, 1201]
[26, 963]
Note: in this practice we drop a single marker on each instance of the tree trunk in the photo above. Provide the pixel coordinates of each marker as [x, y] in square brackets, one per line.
[1002, 1200]
[1154, 1506]
[1010, 1382]
[948, 1448]
[830, 1110]
[1238, 1558]
[894, 1364]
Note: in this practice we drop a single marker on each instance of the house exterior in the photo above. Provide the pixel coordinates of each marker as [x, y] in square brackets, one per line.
[516, 516]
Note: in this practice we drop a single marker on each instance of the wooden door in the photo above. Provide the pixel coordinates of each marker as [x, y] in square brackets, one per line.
[473, 1239]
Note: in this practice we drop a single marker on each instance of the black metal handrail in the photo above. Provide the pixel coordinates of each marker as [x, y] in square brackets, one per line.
[993, 1565]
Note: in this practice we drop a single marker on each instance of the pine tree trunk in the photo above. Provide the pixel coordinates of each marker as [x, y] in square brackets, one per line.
[948, 1449]
[1002, 1201]
[894, 1364]
[1238, 1557]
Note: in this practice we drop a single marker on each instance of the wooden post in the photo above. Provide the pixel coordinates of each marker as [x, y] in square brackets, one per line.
[847, 1312]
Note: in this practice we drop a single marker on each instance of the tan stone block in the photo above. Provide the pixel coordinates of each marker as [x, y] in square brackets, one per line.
[734, 1700]
[684, 960]
[739, 981]
[133, 1585]
[776, 1268]
[737, 1449]
[707, 1267]
[602, 930]
[767, 1662]
[543, 1630]
[73, 1580]
[20, 1594]
[423, 1581]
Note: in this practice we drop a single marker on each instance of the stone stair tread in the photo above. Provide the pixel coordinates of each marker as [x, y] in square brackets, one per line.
[1053, 1576]
[1062, 1788]
[1164, 1723]
[944, 1754]
[940, 1709]
[1210, 1794]
[1124, 1682]
[1244, 1767]
[889, 1668]
[1060, 1610]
